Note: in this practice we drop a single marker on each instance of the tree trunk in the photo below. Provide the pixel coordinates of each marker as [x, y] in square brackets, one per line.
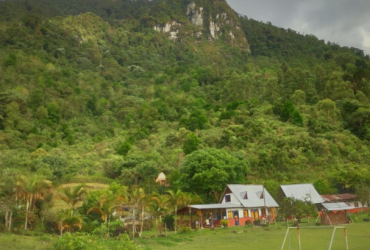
[160, 224]
[175, 218]
[108, 225]
[133, 223]
[27, 207]
[10, 221]
[6, 219]
[142, 221]
[156, 222]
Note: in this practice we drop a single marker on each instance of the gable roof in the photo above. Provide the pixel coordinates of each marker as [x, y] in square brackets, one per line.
[302, 192]
[338, 206]
[338, 197]
[253, 194]
[215, 206]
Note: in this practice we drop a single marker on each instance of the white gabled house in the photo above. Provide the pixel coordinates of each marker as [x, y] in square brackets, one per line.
[256, 203]
[238, 204]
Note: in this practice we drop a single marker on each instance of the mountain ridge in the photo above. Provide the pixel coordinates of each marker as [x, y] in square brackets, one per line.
[102, 93]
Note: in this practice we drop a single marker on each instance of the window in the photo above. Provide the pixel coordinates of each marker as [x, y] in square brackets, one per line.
[356, 204]
[245, 213]
[227, 198]
[230, 214]
[263, 212]
[246, 196]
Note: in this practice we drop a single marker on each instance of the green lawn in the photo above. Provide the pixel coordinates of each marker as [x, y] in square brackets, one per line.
[231, 238]
[20, 242]
[262, 239]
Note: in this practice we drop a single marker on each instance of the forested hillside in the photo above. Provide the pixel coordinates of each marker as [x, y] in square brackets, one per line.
[97, 89]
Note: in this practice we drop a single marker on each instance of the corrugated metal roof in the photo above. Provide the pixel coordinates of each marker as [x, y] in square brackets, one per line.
[215, 206]
[338, 197]
[302, 192]
[253, 194]
[337, 206]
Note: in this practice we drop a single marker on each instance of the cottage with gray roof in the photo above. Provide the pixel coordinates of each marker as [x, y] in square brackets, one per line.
[239, 204]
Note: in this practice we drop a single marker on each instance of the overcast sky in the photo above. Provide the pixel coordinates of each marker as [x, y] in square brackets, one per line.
[346, 22]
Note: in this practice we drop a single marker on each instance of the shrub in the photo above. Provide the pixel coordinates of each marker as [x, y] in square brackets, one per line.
[69, 242]
[224, 223]
[185, 230]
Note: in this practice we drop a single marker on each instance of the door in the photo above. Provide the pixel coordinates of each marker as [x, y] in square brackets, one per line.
[236, 217]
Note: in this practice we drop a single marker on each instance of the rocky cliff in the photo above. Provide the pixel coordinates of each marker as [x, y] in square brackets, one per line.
[210, 20]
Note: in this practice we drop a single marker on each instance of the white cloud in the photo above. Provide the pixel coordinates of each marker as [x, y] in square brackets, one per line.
[346, 22]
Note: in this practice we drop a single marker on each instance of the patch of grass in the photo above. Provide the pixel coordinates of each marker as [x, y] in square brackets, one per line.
[261, 239]
[20, 242]
[220, 238]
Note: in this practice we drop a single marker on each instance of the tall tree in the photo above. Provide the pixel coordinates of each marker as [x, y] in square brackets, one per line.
[31, 189]
[72, 196]
[8, 200]
[136, 197]
[176, 200]
[363, 195]
[208, 171]
[110, 201]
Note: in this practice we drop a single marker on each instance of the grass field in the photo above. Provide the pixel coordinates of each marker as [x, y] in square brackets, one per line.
[262, 239]
[229, 238]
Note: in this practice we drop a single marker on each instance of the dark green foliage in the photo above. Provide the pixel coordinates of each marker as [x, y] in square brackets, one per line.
[287, 111]
[322, 186]
[207, 172]
[123, 148]
[297, 118]
[53, 112]
[196, 120]
[11, 60]
[191, 143]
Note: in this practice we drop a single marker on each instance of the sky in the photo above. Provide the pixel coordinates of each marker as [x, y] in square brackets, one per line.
[345, 22]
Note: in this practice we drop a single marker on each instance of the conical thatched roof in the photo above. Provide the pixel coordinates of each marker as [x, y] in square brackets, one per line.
[161, 177]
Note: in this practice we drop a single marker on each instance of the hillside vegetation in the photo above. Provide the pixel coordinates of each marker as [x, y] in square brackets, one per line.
[88, 88]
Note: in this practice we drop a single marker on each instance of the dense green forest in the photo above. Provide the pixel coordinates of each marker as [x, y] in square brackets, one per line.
[90, 91]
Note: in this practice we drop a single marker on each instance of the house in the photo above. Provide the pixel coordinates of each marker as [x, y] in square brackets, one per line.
[347, 198]
[303, 192]
[256, 203]
[337, 208]
[335, 213]
[238, 204]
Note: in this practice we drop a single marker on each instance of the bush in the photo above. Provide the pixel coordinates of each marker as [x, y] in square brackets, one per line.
[248, 223]
[185, 230]
[224, 223]
[75, 242]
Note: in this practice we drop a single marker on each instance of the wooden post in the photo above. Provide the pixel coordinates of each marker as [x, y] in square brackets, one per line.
[191, 218]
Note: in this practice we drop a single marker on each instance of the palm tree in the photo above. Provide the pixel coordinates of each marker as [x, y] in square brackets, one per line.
[72, 196]
[7, 200]
[136, 198]
[177, 199]
[158, 205]
[189, 199]
[69, 222]
[110, 202]
[31, 189]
